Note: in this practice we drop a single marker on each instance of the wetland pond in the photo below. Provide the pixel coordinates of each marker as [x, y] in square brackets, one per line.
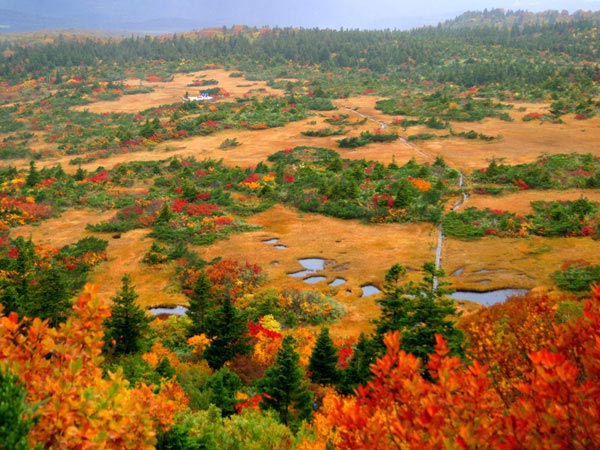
[369, 290]
[170, 311]
[488, 298]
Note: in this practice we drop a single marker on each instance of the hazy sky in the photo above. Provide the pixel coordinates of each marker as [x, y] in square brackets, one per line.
[306, 13]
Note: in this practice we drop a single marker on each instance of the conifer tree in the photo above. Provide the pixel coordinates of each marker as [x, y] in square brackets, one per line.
[33, 176]
[284, 386]
[165, 214]
[323, 361]
[229, 333]
[50, 297]
[201, 304]
[15, 289]
[419, 311]
[358, 371]
[127, 327]
[14, 411]
[223, 385]
[80, 174]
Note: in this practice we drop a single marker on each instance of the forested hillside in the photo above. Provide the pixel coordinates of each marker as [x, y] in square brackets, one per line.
[243, 238]
[535, 50]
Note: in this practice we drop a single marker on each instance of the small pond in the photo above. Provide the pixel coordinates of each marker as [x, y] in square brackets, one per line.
[314, 280]
[281, 247]
[337, 282]
[300, 274]
[488, 298]
[369, 290]
[312, 264]
[173, 311]
[271, 241]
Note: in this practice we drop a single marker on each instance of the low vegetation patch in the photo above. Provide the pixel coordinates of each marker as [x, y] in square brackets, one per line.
[577, 218]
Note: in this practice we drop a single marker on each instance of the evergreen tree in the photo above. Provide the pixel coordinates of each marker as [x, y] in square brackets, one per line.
[323, 360]
[405, 194]
[80, 174]
[222, 387]
[358, 371]
[419, 311]
[285, 387]
[15, 415]
[16, 289]
[50, 297]
[165, 214]
[229, 333]
[128, 326]
[201, 303]
[33, 176]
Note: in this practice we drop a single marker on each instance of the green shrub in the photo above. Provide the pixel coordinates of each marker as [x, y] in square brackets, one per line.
[577, 277]
[421, 137]
[324, 132]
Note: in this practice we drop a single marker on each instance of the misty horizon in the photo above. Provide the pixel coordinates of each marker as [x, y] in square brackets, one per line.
[154, 16]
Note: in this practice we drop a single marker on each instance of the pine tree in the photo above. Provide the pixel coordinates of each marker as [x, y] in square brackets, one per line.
[323, 360]
[284, 387]
[358, 371]
[127, 327]
[15, 421]
[229, 333]
[222, 386]
[419, 311]
[80, 174]
[50, 298]
[33, 176]
[16, 289]
[201, 304]
[165, 214]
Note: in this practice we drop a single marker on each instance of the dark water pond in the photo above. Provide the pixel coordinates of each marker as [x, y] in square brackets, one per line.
[488, 298]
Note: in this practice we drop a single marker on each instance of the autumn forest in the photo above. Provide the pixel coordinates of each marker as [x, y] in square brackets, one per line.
[287, 238]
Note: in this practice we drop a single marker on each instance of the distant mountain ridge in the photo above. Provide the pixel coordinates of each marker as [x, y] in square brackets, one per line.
[16, 22]
[158, 16]
[150, 17]
[502, 17]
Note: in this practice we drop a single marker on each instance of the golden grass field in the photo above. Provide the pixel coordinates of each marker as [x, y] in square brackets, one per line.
[359, 253]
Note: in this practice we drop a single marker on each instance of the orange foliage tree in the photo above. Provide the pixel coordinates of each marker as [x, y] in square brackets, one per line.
[556, 403]
[504, 335]
[76, 406]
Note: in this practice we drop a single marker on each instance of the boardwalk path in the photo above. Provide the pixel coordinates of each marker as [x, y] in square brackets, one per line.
[459, 204]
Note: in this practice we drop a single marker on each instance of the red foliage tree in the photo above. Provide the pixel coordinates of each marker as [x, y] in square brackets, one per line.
[556, 403]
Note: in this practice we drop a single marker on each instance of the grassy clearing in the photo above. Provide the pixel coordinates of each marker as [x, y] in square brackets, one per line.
[359, 253]
[494, 263]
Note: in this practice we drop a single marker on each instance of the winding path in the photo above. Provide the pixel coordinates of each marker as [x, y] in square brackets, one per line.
[457, 205]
